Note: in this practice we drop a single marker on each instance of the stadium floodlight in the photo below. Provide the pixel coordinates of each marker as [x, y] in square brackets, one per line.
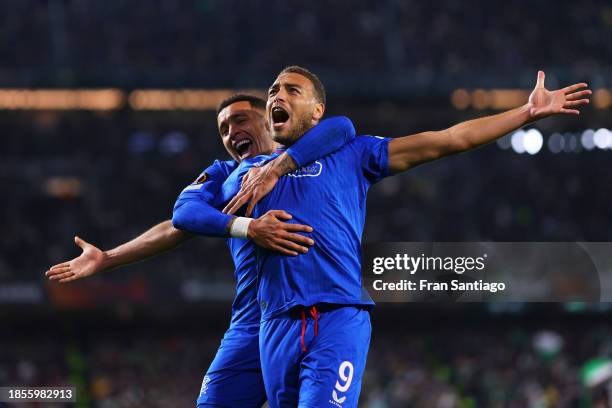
[505, 142]
[587, 139]
[556, 143]
[602, 138]
[533, 141]
[517, 141]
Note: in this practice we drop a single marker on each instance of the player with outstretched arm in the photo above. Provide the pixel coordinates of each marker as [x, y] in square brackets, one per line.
[315, 329]
[234, 378]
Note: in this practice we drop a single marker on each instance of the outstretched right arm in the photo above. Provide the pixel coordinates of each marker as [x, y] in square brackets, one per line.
[92, 260]
[160, 238]
[197, 216]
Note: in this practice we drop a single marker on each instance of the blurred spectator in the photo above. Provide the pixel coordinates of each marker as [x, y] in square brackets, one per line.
[356, 45]
[107, 178]
[424, 366]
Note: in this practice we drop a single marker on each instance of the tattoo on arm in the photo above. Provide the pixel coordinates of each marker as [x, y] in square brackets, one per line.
[284, 164]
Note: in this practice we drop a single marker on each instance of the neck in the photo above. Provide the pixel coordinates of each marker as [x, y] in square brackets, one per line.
[301, 131]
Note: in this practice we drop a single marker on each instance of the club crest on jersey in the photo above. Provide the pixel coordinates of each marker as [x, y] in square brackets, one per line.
[310, 170]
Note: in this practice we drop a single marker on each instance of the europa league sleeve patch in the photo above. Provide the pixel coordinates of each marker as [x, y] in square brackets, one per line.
[201, 178]
[197, 184]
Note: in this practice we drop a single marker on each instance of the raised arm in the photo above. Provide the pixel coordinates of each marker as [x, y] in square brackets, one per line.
[410, 151]
[323, 139]
[160, 238]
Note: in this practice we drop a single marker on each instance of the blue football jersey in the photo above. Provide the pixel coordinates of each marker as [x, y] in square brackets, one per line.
[244, 305]
[219, 183]
[216, 186]
[330, 196]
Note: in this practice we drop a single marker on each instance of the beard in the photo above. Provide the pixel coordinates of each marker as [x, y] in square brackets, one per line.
[292, 134]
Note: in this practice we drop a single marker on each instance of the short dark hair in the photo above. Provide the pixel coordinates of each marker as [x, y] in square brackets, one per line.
[255, 101]
[319, 89]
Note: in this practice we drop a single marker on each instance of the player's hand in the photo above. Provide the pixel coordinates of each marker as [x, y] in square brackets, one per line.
[270, 232]
[258, 182]
[543, 103]
[91, 261]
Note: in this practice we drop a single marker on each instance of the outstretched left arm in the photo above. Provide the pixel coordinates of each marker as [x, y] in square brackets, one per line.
[410, 151]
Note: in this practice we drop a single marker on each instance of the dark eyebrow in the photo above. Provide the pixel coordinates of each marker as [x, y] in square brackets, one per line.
[293, 86]
[233, 116]
[237, 115]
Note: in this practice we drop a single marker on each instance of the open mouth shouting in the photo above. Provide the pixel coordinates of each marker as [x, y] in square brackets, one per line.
[243, 147]
[279, 117]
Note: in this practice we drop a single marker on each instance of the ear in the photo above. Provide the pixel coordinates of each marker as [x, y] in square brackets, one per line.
[318, 112]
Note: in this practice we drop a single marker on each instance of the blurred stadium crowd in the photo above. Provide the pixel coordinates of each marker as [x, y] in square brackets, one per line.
[483, 364]
[391, 67]
[109, 177]
[359, 45]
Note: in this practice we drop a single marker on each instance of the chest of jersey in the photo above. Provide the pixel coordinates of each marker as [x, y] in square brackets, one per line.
[324, 184]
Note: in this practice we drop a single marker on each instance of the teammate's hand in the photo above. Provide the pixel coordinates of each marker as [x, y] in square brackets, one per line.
[91, 261]
[268, 231]
[543, 103]
[258, 182]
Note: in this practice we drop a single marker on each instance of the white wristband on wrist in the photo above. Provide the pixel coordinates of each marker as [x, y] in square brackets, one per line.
[240, 227]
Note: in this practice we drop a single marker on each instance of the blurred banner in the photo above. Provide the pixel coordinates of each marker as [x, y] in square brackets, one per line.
[488, 271]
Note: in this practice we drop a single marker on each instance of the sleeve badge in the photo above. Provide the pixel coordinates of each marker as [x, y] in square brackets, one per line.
[201, 178]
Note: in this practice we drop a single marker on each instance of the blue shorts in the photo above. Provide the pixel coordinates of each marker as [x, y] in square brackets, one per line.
[234, 378]
[310, 362]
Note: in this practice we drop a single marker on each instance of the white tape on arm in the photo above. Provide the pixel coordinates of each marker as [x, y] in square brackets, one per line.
[240, 227]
